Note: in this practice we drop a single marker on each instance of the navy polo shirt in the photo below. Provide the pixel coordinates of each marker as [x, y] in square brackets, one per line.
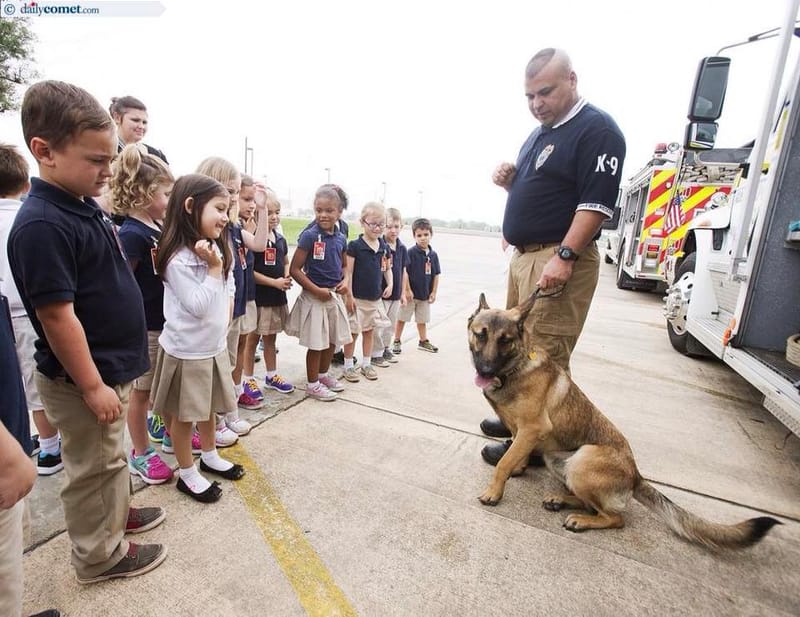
[367, 275]
[241, 264]
[399, 257]
[266, 295]
[63, 249]
[575, 166]
[13, 407]
[139, 240]
[325, 272]
[422, 283]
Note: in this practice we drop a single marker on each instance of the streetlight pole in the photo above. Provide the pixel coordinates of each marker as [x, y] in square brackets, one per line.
[383, 199]
[248, 151]
[420, 203]
[328, 171]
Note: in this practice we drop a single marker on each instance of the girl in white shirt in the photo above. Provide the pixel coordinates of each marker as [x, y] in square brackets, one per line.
[192, 373]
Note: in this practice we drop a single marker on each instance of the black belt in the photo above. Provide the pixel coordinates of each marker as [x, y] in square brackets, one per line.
[532, 248]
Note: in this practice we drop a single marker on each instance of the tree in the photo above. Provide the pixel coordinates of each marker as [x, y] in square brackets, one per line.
[16, 59]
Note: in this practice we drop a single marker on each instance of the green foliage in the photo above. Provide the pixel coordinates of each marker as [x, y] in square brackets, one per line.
[292, 228]
[16, 60]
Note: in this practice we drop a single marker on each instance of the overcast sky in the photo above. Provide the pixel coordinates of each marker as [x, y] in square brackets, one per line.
[426, 96]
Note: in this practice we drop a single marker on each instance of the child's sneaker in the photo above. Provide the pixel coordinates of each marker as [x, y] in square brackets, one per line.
[369, 372]
[320, 392]
[149, 467]
[389, 356]
[396, 347]
[426, 345]
[156, 428]
[48, 464]
[167, 448]
[338, 357]
[35, 446]
[350, 374]
[380, 361]
[330, 382]
[278, 384]
[237, 425]
[251, 388]
[248, 402]
[223, 436]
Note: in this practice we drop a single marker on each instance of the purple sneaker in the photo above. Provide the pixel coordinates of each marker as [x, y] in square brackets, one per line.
[279, 384]
[251, 389]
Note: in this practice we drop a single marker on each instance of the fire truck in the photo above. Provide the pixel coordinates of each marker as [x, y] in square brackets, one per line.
[658, 204]
[736, 290]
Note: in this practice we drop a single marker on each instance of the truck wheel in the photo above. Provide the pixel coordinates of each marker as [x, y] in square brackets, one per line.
[677, 306]
[623, 280]
[608, 259]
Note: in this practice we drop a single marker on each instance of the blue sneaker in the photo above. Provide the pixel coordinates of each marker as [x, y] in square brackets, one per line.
[156, 428]
[277, 383]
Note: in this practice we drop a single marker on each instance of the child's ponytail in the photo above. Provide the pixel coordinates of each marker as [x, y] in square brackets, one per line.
[136, 177]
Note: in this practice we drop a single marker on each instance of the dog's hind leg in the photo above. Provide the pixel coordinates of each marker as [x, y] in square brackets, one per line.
[556, 463]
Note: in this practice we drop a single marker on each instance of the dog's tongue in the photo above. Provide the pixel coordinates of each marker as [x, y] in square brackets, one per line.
[483, 382]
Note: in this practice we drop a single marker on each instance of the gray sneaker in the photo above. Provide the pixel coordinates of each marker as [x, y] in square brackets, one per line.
[380, 361]
[389, 356]
[369, 372]
[396, 347]
[351, 374]
[426, 345]
[140, 559]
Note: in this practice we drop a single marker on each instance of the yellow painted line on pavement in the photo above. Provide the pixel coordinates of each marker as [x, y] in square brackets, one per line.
[315, 588]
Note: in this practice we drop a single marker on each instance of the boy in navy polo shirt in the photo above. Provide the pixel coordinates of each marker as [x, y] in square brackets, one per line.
[423, 278]
[87, 310]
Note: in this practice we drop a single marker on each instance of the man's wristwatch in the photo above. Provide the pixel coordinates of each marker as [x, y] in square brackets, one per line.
[566, 253]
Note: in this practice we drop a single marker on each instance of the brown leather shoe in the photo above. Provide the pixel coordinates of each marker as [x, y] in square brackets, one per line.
[140, 559]
[142, 519]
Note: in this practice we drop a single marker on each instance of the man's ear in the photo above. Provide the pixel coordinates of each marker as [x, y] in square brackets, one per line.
[188, 205]
[42, 152]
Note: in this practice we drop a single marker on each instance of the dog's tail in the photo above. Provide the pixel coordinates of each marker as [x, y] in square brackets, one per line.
[698, 530]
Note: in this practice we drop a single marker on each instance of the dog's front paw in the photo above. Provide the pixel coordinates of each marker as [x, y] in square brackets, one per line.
[553, 503]
[574, 523]
[490, 499]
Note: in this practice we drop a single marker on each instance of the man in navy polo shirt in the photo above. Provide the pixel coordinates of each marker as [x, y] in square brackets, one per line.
[87, 310]
[561, 189]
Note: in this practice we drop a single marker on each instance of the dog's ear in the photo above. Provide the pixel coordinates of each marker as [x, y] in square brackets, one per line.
[525, 309]
[482, 306]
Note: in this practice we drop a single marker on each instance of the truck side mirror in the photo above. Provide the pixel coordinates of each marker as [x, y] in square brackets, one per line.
[708, 93]
[700, 135]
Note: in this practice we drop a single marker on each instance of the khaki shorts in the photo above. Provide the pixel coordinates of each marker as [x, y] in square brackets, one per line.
[556, 322]
[419, 308]
[243, 324]
[369, 314]
[145, 382]
[272, 319]
[26, 346]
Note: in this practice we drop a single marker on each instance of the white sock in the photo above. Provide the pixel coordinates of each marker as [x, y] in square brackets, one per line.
[313, 384]
[367, 362]
[238, 388]
[192, 478]
[50, 445]
[233, 416]
[377, 354]
[149, 413]
[271, 374]
[348, 363]
[215, 461]
[246, 378]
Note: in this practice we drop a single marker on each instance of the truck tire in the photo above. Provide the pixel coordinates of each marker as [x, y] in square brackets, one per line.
[623, 280]
[608, 259]
[679, 337]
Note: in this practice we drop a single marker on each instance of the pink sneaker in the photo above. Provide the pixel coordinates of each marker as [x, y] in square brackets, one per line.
[330, 382]
[248, 402]
[149, 467]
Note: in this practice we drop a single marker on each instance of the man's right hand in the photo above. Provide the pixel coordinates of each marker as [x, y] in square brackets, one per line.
[504, 174]
[104, 403]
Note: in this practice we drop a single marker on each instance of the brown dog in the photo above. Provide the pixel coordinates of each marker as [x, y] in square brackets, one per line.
[545, 411]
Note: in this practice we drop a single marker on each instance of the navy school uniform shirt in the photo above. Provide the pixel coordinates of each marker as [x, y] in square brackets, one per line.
[399, 260]
[422, 267]
[13, 406]
[323, 268]
[275, 269]
[367, 268]
[140, 242]
[63, 249]
[242, 271]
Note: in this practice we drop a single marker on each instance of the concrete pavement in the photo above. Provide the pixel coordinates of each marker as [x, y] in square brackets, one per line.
[368, 505]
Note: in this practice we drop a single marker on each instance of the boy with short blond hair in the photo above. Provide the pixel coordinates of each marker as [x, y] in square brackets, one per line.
[72, 273]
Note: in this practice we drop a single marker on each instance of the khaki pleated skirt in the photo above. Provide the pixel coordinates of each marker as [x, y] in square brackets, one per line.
[319, 324]
[192, 390]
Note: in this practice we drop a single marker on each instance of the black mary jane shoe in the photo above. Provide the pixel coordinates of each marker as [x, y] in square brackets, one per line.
[234, 473]
[210, 495]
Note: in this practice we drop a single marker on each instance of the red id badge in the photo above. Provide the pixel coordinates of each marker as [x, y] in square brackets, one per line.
[242, 258]
[427, 267]
[319, 250]
[270, 256]
[153, 255]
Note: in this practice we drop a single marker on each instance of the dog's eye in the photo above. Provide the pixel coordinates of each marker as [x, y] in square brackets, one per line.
[505, 340]
[481, 335]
